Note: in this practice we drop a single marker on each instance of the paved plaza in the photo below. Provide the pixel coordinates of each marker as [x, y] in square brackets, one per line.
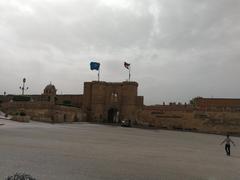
[98, 152]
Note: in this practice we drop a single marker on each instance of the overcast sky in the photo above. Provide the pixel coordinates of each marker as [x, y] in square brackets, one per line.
[178, 49]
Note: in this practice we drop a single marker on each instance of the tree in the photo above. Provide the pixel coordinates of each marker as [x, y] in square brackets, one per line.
[194, 100]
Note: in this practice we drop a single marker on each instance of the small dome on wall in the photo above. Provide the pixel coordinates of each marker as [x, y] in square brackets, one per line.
[50, 90]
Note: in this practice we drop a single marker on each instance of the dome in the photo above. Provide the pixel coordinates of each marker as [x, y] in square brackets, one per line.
[50, 87]
[50, 90]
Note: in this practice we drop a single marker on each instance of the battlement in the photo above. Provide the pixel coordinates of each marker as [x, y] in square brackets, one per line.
[124, 83]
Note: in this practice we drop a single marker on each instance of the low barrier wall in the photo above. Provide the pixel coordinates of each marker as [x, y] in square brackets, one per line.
[210, 121]
[44, 111]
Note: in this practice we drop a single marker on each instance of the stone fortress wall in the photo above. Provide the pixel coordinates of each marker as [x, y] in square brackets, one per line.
[47, 107]
[44, 111]
[74, 100]
[111, 102]
[101, 102]
[218, 116]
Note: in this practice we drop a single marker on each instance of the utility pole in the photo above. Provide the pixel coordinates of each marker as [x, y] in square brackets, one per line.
[23, 88]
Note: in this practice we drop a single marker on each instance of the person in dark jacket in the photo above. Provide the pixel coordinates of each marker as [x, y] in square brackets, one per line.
[227, 142]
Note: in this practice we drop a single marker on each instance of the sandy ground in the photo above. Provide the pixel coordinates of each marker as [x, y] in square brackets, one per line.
[98, 152]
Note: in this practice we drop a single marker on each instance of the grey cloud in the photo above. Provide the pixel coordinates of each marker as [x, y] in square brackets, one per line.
[178, 49]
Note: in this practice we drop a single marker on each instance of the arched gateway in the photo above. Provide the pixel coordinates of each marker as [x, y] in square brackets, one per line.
[113, 115]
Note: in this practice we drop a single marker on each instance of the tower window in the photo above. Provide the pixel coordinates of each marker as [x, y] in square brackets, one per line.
[114, 97]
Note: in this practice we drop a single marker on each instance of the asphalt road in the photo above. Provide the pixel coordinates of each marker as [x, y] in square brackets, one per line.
[99, 152]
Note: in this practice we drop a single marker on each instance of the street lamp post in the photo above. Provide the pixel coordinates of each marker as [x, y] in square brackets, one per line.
[23, 88]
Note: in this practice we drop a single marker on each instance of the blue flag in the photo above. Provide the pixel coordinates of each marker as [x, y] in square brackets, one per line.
[94, 66]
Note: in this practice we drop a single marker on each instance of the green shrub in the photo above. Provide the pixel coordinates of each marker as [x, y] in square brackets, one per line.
[19, 176]
[22, 113]
[21, 98]
[67, 103]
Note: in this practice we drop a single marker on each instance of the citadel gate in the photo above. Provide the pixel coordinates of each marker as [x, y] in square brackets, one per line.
[111, 102]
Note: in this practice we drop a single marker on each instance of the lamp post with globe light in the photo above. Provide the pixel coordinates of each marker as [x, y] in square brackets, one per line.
[23, 88]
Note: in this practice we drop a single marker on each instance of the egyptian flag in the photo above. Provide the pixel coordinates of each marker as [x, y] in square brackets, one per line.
[126, 65]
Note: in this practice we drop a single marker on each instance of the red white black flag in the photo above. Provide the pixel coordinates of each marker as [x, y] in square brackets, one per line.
[126, 65]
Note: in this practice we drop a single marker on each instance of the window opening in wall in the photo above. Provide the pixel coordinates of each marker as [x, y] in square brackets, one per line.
[114, 97]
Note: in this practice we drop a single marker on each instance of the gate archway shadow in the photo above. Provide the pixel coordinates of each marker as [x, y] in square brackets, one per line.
[113, 114]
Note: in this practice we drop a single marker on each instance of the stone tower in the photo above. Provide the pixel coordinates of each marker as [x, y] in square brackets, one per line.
[111, 102]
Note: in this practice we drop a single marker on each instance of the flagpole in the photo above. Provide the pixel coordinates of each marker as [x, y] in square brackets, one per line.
[95, 66]
[98, 74]
[129, 70]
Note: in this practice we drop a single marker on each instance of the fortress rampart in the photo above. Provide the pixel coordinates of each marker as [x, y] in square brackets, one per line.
[112, 102]
[190, 118]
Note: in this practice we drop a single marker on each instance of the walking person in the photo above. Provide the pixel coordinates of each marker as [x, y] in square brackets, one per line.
[227, 142]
